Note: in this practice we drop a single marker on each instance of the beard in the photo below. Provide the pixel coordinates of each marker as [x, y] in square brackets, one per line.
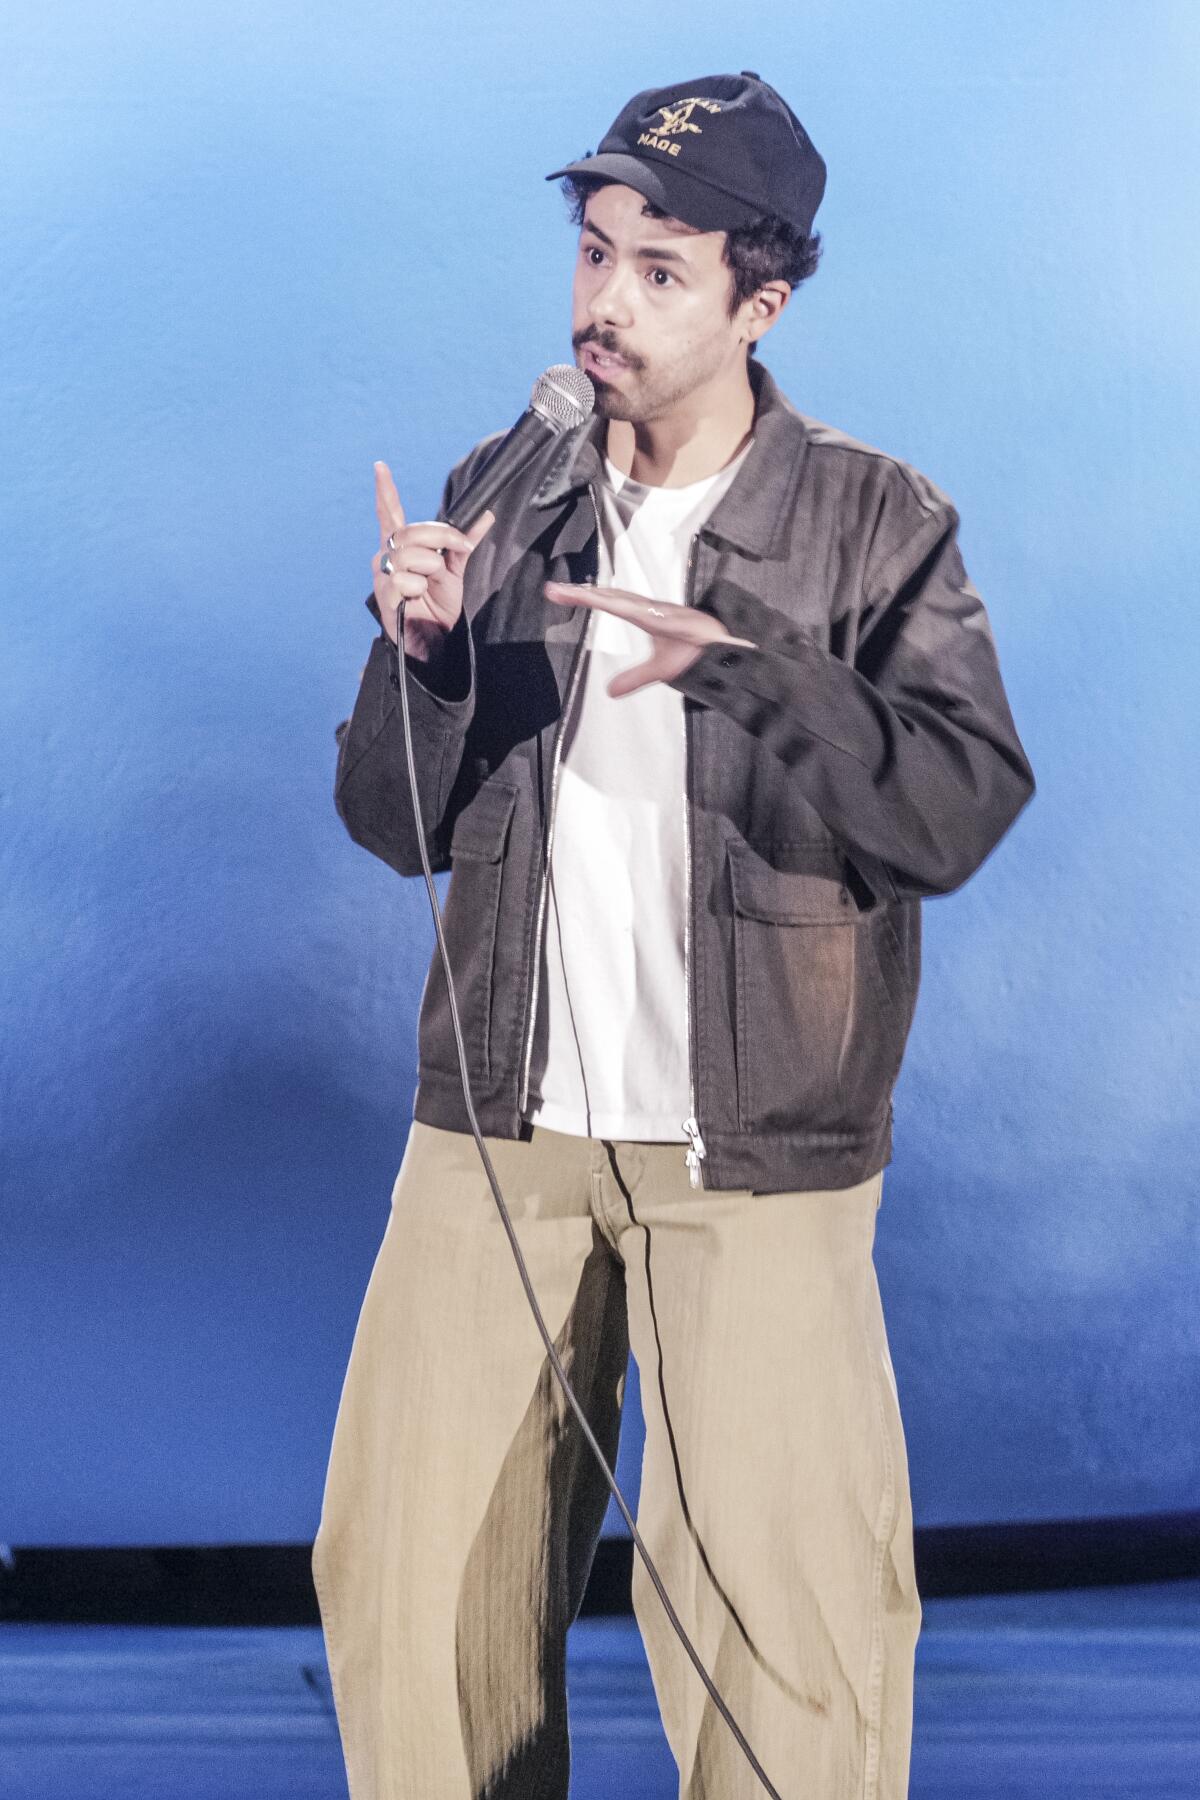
[639, 398]
[636, 400]
[611, 403]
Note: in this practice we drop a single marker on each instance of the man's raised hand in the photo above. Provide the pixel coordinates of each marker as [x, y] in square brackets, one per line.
[427, 563]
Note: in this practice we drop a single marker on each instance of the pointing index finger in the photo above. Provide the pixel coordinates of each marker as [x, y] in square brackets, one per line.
[388, 509]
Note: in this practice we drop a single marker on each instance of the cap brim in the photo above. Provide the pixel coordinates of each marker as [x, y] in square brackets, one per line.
[678, 194]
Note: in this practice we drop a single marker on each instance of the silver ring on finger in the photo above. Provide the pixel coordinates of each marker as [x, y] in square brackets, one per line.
[391, 543]
[385, 564]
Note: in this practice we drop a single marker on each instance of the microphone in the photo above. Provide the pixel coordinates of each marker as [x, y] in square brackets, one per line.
[562, 398]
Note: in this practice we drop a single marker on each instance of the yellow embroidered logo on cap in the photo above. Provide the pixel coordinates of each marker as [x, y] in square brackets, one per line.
[676, 119]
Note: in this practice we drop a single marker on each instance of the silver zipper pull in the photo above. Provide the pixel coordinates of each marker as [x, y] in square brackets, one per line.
[696, 1150]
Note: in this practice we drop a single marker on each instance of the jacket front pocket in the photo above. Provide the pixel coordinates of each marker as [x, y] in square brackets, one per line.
[816, 1030]
[470, 917]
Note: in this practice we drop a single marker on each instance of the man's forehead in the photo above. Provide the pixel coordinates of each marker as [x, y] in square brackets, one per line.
[638, 208]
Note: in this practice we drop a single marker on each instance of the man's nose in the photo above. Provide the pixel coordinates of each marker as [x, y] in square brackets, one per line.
[611, 303]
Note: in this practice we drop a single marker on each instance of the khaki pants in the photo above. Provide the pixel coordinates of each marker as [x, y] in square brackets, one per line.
[462, 1506]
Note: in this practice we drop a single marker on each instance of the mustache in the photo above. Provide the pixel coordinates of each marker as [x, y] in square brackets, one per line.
[590, 337]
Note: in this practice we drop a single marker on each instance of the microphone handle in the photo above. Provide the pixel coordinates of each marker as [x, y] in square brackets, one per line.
[529, 435]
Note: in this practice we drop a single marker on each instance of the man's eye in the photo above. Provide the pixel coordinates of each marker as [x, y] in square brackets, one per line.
[590, 250]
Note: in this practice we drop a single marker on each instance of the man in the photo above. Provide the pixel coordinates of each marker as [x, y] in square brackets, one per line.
[702, 710]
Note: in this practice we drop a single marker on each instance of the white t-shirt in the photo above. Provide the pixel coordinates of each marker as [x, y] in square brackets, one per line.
[611, 1032]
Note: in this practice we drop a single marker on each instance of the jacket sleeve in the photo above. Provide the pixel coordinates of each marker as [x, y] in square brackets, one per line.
[371, 786]
[909, 754]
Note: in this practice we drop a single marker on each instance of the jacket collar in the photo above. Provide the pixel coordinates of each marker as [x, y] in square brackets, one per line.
[755, 513]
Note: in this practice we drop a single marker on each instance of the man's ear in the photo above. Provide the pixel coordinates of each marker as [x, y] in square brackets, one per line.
[768, 304]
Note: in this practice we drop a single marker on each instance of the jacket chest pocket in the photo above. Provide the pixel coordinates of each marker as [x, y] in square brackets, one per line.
[818, 1037]
[470, 918]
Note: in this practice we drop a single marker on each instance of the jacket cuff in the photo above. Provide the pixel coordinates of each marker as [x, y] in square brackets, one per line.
[787, 675]
[447, 677]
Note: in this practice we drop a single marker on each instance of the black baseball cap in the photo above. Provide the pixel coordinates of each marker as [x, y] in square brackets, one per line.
[718, 153]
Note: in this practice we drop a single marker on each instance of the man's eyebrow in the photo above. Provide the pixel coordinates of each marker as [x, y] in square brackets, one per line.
[662, 255]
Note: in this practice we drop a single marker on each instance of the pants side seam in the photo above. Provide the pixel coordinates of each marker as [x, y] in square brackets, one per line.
[886, 1520]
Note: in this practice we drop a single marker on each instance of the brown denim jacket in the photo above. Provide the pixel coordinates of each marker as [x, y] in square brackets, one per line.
[861, 757]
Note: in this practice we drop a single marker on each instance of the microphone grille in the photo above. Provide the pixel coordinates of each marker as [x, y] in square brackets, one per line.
[563, 396]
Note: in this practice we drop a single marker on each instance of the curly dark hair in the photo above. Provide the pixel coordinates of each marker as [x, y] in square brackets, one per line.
[768, 250]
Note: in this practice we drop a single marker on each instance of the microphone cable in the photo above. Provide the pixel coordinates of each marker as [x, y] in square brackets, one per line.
[522, 1270]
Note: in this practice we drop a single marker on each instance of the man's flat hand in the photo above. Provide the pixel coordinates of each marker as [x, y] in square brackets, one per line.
[678, 633]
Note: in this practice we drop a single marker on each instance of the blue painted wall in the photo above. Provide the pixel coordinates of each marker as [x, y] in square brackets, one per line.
[249, 250]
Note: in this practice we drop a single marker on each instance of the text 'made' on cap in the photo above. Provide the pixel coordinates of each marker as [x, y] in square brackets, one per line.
[717, 153]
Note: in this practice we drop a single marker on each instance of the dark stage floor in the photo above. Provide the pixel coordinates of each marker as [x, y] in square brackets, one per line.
[1050, 1696]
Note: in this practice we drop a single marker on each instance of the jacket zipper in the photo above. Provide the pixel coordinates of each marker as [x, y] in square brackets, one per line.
[691, 1125]
[555, 758]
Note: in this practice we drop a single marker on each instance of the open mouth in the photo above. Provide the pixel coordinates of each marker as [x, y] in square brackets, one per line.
[599, 362]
